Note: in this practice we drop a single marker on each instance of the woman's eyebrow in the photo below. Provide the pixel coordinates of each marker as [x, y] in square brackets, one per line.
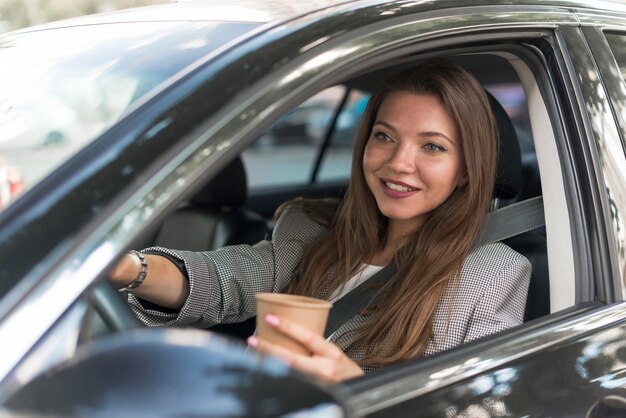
[438, 135]
[385, 124]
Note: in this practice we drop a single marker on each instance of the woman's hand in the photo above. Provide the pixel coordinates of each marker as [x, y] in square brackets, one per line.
[327, 362]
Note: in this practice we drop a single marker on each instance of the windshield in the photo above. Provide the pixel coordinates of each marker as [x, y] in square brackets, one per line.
[60, 88]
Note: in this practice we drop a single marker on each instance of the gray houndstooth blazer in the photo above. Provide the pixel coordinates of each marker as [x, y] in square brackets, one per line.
[490, 297]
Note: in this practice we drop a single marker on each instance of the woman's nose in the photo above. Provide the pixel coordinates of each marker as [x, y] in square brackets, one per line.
[403, 159]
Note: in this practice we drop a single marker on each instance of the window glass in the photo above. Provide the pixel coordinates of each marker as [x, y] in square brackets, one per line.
[618, 45]
[336, 162]
[285, 154]
[61, 88]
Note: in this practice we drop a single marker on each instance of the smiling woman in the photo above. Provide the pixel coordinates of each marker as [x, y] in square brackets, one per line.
[433, 299]
[416, 200]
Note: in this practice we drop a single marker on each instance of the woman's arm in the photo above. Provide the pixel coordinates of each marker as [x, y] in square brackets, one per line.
[503, 301]
[220, 285]
[164, 285]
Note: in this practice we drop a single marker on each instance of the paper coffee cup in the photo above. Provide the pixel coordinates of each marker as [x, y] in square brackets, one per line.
[309, 312]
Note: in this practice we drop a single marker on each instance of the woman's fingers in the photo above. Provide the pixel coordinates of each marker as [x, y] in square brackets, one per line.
[303, 363]
[315, 343]
[327, 361]
[270, 348]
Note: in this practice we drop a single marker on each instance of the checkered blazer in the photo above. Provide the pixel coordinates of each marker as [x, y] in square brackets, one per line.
[490, 296]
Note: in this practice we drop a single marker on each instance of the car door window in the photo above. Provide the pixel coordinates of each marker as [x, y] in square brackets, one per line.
[336, 161]
[285, 154]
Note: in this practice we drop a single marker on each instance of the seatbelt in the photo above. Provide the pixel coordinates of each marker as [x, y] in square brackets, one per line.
[500, 224]
[357, 299]
[513, 220]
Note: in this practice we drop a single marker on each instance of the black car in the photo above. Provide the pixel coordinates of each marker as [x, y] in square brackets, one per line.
[164, 115]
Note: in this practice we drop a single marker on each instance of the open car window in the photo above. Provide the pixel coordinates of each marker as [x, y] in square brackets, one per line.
[311, 143]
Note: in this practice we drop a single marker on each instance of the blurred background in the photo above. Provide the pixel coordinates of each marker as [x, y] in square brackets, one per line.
[16, 14]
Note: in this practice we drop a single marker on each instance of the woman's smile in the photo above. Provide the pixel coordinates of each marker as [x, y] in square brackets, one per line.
[397, 189]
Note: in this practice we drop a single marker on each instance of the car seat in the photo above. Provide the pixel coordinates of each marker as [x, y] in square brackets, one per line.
[510, 183]
[213, 218]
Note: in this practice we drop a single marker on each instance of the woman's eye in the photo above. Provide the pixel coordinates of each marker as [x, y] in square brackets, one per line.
[381, 136]
[434, 147]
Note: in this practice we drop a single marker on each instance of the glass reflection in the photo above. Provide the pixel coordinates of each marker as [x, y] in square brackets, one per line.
[603, 359]
[609, 146]
[61, 88]
[617, 43]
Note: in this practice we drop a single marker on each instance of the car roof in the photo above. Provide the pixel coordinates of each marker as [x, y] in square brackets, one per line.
[265, 11]
[248, 11]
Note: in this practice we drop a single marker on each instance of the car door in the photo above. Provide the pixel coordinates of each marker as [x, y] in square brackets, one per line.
[569, 362]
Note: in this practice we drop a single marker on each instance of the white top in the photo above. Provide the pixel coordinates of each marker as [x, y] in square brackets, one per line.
[362, 275]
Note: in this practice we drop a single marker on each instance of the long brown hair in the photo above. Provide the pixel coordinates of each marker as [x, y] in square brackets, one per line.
[431, 258]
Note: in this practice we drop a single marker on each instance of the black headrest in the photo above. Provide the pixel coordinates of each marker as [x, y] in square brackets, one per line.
[228, 188]
[509, 179]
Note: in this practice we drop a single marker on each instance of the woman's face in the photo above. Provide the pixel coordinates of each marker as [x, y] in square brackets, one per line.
[412, 161]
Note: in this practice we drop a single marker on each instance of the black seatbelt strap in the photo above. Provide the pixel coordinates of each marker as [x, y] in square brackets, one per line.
[500, 224]
[357, 299]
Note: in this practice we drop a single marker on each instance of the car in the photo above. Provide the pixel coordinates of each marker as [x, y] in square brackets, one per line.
[175, 99]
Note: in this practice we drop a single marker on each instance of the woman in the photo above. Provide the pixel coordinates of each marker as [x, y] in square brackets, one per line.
[423, 171]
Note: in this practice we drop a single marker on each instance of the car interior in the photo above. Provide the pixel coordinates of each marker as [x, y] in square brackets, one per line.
[228, 210]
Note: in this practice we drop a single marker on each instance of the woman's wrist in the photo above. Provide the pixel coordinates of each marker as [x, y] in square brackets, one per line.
[140, 267]
[164, 285]
[125, 271]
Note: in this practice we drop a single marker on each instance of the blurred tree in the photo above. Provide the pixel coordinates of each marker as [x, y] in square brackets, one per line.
[15, 14]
